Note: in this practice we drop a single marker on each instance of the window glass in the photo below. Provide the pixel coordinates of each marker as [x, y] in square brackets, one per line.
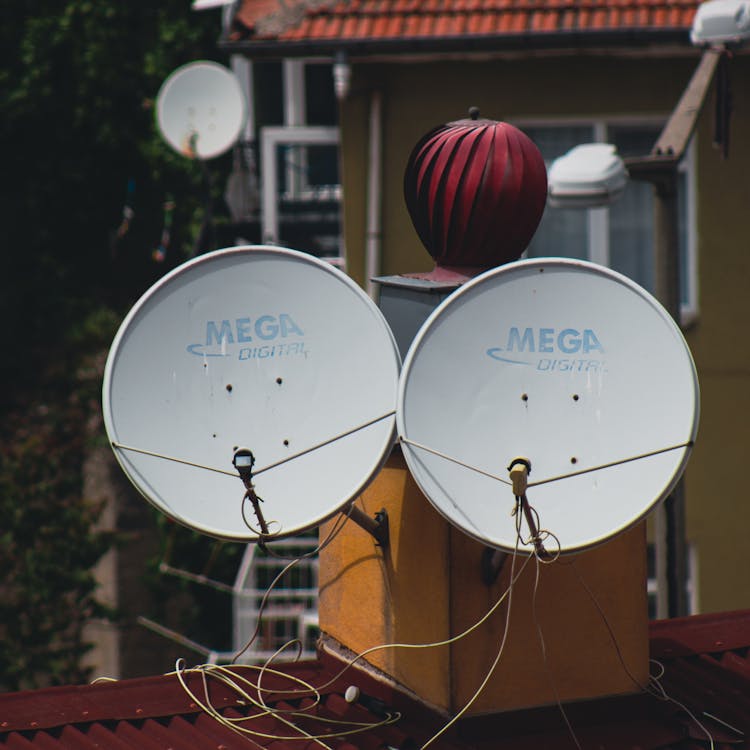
[631, 234]
[269, 93]
[621, 236]
[631, 218]
[560, 233]
[320, 101]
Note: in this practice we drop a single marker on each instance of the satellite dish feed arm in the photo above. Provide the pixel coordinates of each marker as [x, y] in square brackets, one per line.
[494, 559]
[536, 537]
[243, 461]
[519, 470]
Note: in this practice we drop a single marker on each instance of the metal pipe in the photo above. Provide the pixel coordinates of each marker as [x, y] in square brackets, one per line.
[660, 169]
[671, 560]
[377, 527]
[374, 192]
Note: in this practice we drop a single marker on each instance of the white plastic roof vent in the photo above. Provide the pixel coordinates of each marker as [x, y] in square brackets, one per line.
[587, 176]
[721, 22]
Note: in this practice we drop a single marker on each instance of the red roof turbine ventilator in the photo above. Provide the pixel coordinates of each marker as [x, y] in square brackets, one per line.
[475, 190]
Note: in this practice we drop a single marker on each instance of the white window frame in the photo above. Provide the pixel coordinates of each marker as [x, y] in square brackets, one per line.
[598, 218]
[291, 611]
[294, 133]
[271, 138]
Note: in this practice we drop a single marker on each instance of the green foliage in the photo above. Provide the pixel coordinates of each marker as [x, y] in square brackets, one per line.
[48, 543]
[77, 125]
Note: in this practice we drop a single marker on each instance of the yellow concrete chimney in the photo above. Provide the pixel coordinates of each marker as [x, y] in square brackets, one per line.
[426, 587]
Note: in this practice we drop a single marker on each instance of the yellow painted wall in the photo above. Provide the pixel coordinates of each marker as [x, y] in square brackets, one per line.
[419, 96]
[718, 504]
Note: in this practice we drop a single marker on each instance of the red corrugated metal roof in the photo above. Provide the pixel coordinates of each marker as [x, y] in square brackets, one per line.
[705, 661]
[157, 712]
[425, 20]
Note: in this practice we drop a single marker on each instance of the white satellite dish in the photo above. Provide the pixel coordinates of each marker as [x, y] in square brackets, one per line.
[568, 364]
[201, 109]
[260, 348]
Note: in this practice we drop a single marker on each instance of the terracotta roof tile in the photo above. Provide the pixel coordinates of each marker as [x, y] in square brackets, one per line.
[379, 26]
[479, 23]
[394, 26]
[350, 26]
[412, 25]
[319, 26]
[519, 21]
[379, 20]
[442, 25]
[599, 18]
[567, 20]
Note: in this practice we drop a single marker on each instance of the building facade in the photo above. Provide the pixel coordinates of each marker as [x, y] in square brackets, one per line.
[565, 73]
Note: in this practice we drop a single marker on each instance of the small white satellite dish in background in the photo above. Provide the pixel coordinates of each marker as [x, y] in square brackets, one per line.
[261, 348]
[201, 109]
[568, 364]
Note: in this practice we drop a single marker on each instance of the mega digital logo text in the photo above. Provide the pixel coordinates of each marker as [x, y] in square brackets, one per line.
[551, 349]
[263, 337]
